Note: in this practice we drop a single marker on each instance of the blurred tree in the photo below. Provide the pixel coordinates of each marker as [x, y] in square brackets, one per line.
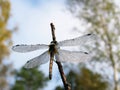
[102, 18]
[5, 41]
[85, 80]
[5, 34]
[59, 88]
[31, 79]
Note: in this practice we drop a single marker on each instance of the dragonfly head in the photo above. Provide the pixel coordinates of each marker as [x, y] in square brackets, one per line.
[53, 43]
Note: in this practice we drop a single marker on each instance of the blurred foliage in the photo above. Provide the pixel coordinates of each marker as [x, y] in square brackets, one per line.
[85, 80]
[59, 88]
[5, 42]
[5, 33]
[31, 79]
[102, 18]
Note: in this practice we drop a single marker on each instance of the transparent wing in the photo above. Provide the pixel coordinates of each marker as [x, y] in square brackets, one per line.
[28, 48]
[79, 40]
[43, 58]
[72, 56]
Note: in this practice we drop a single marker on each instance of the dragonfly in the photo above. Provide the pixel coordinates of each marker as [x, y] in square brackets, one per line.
[55, 53]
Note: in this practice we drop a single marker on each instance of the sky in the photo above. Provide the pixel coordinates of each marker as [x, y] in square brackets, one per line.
[33, 18]
[33, 22]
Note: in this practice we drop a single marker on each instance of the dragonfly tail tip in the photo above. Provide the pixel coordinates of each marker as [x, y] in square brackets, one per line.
[50, 76]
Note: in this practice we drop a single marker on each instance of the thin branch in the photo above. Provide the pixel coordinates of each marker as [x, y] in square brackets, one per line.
[53, 33]
[66, 85]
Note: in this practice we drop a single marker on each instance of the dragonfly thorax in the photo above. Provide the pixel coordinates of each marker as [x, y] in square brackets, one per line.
[53, 47]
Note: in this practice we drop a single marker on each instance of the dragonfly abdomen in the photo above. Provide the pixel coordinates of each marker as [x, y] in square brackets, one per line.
[51, 64]
[50, 68]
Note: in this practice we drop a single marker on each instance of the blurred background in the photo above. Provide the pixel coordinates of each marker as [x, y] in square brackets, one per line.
[27, 22]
